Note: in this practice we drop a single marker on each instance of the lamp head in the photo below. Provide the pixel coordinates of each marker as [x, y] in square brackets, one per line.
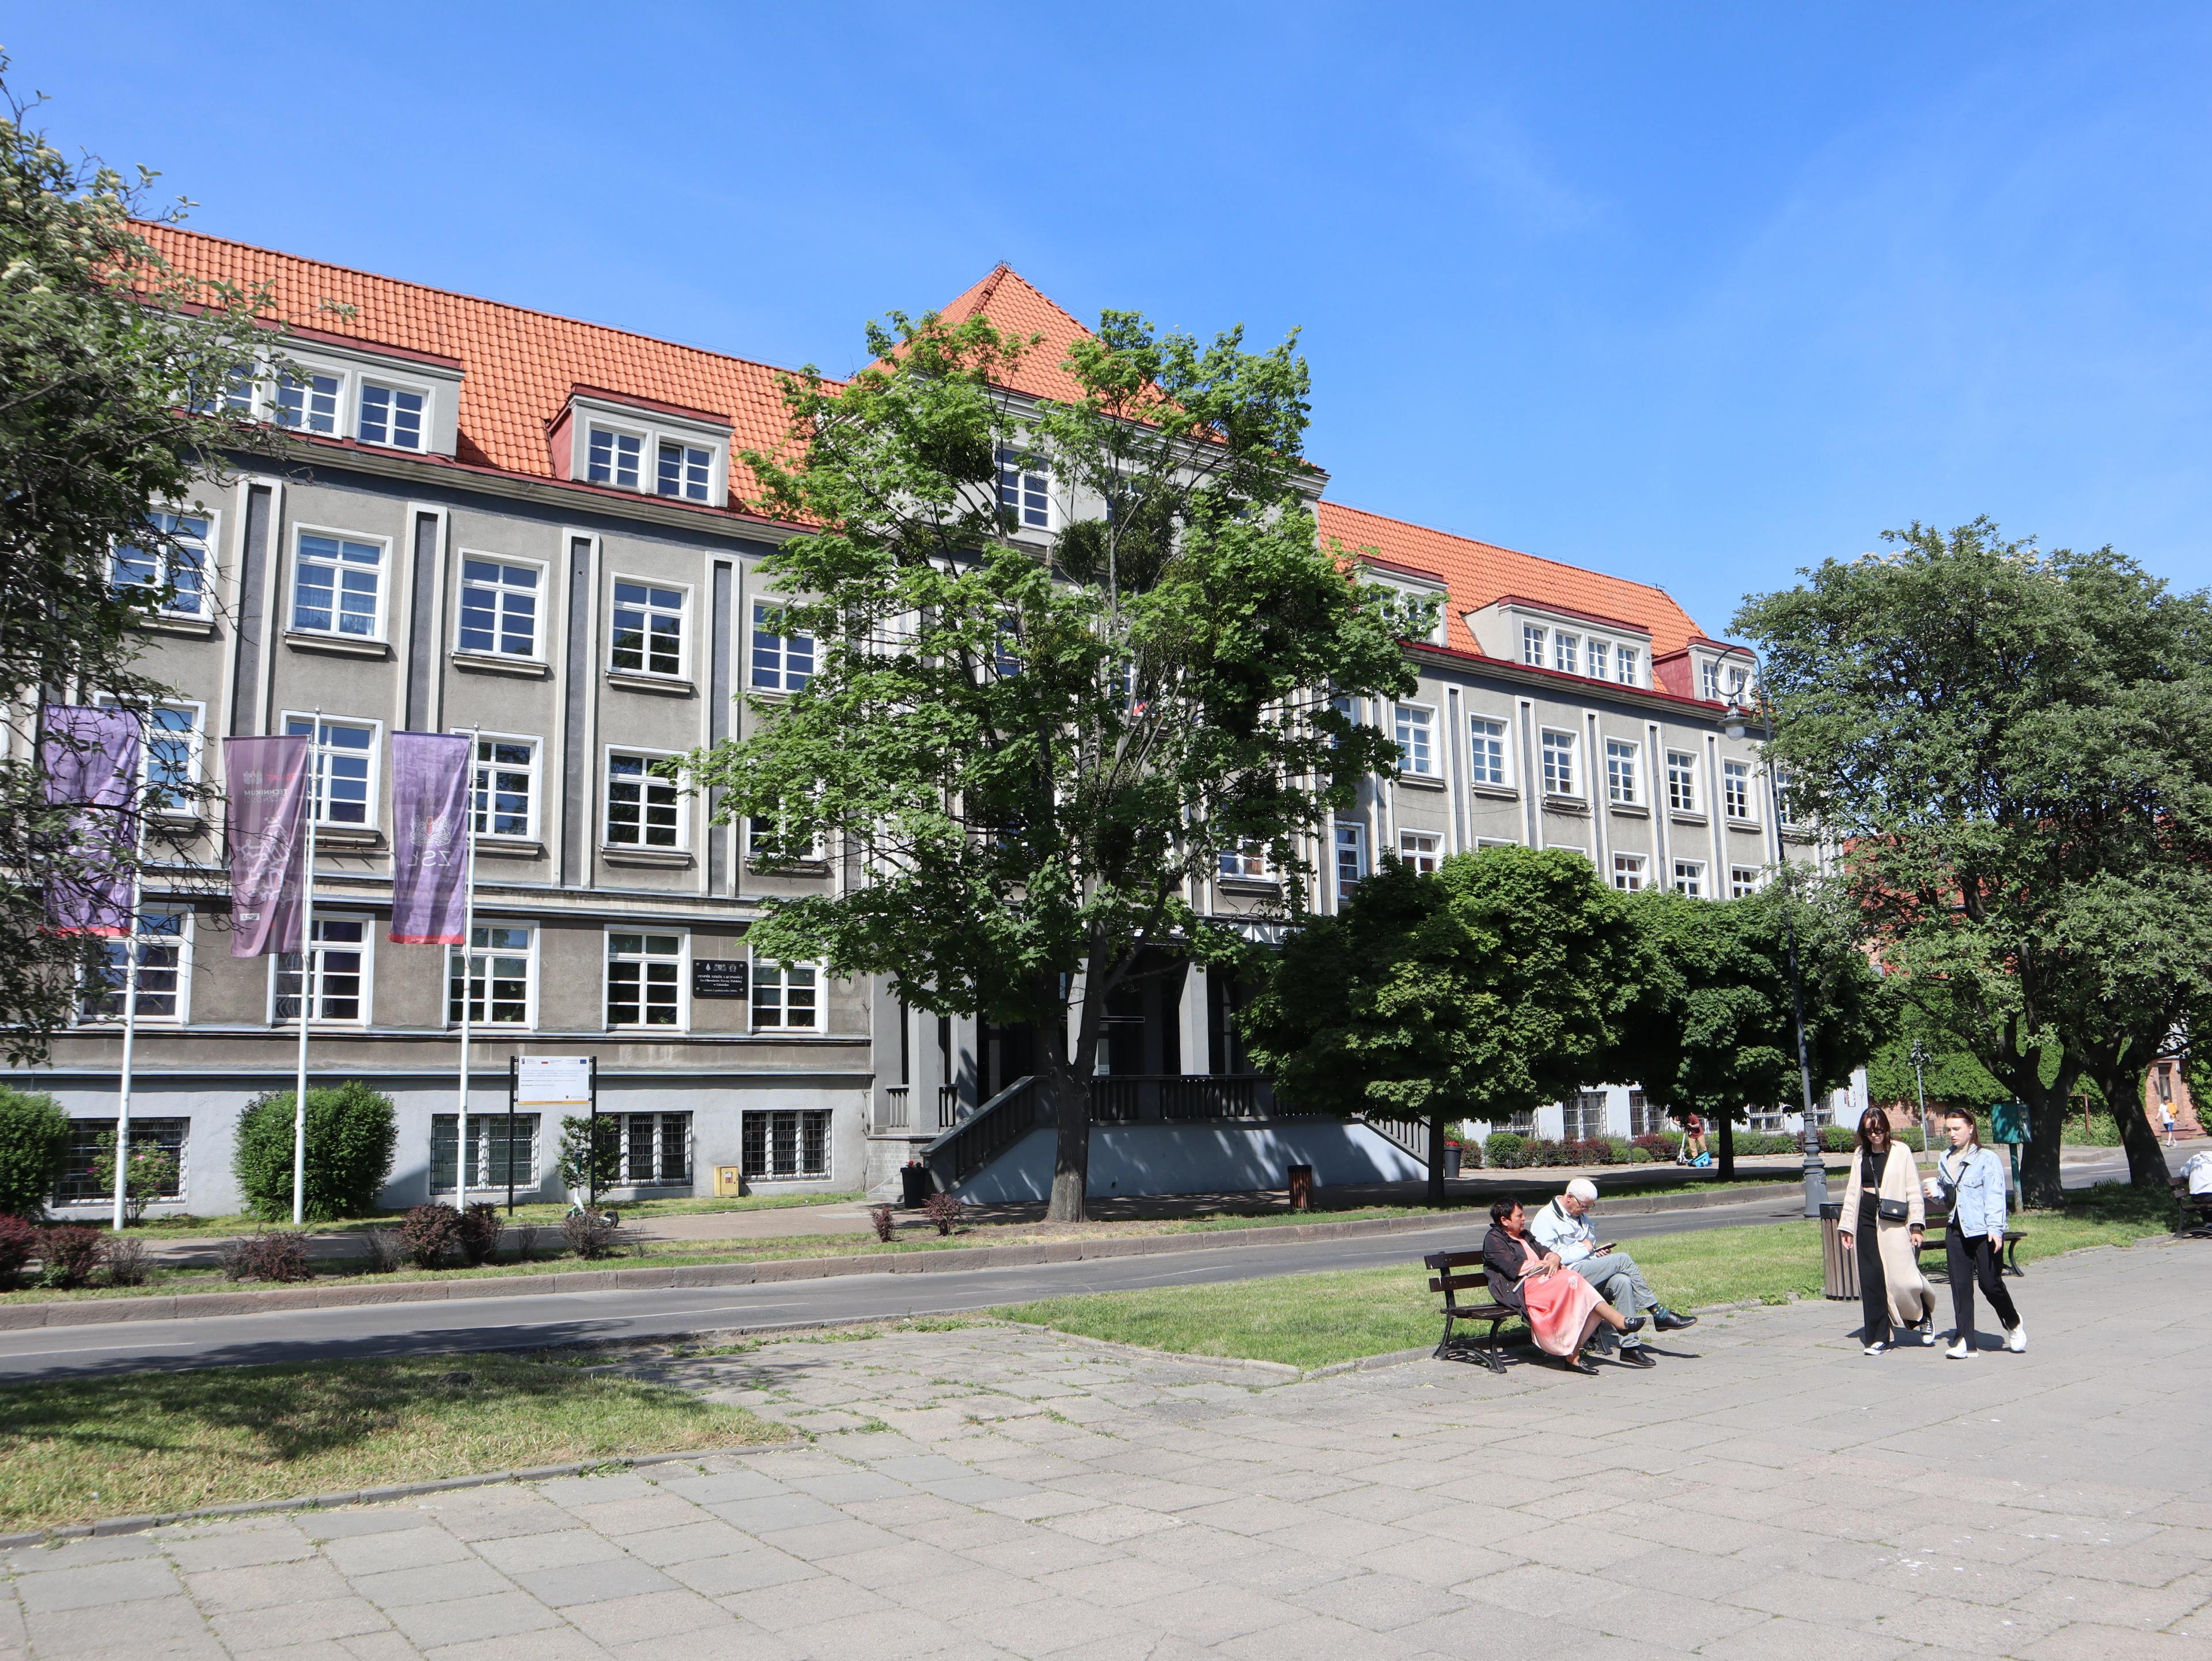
[1733, 723]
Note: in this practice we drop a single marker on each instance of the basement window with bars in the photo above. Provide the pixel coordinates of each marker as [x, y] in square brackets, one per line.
[791, 1143]
[656, 1149]
[79, 1183]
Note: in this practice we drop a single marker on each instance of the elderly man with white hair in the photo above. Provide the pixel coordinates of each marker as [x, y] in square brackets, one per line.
[1563, 1225]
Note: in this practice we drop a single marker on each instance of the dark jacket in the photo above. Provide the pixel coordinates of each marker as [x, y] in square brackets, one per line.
[1501, 1256]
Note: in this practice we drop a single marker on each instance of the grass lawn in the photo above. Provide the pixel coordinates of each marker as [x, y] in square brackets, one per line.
[1313, 1320]
[172, 1441]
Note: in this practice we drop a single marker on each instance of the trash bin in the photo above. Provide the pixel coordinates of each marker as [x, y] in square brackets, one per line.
[914, 1185]
[1451, 1158]
[1839, 1269]
[1300, 1182]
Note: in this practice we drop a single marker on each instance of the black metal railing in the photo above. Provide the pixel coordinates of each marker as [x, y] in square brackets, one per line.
[948, 1106]
[965, 1148]
[1178, 1098]
[1410, 1135]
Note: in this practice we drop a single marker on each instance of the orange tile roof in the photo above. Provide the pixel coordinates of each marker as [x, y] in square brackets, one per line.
[1017, 306]
[1479, 574]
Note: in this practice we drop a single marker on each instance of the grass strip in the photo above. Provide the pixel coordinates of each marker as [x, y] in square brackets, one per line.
[1315, 1320]
[145, 1442]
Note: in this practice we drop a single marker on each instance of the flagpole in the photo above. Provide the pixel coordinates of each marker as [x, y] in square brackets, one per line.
[468, 983]
[306, 979]
[129, 1040]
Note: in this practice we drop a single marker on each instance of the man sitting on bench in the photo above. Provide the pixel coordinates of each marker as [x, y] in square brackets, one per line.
[1563, 1225]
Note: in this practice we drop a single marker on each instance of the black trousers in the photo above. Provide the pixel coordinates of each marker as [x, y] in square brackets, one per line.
[1971, 1259]
[1873, 1286]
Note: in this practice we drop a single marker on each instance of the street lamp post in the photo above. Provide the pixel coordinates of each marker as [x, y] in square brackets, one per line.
[1816, 1172]
[1920, 1084]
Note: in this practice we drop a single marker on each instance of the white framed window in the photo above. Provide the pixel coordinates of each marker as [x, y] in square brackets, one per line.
[1597, 651]
[781, 662]
[1690, 878]
[1025, 490]
[785, 1141]
[1735, 789]
[162, 940]
[339, 987]
[80, 1183]
[1247, 860]
[1582, 1116]
[1736, 677]
[643, 810]
[1743, 881]
[1416, 749]
[499, 606]
[684, 470]
[498, 977]
[310, 403]
[169, 758]
[1682, 782]
[1629, 871]
[1560, 778]
[170, 574]
[614, 457]
[1623, 771]
[1351, 846]
[1710, 679]
[233, 393]
[1643, 1119]
[1531, 645]
[391, 415]
[506, 786]
[648, 638]
[1486, 751]
[1627, 666]
[344, 784]
[645, 979]
[1566, 652]
[1419, 849]
[337, 586]
[656, 1149]
[769, 842]
[786, 997]
[494, 1160]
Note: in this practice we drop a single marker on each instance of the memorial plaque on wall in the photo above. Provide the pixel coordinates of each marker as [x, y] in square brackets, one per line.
[721, 977]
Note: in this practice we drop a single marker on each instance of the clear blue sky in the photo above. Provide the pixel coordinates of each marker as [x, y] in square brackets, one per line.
[1694, 293]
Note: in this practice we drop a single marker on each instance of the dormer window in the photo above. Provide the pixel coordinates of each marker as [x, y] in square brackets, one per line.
[1531, 645]
[1597, 652]
[310, 403]
[1713, 680]
[391, 415]
[615, 458]
[1566, 652]
[686, 470]
[1626, 661]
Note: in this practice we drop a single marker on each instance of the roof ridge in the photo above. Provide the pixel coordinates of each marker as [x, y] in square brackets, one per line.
[1518, 553]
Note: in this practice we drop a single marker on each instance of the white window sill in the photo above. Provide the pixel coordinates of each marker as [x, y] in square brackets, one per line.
[760, 867]
[511, 848]
[1556, 804]
[345, 646]
[1496, 792]
[670, 859]
[1634, 810]
[1682, 816]
[172, 622]
[497, 663]
[1421, 781]
[676, 686]
[1267, 887]
[348, 836]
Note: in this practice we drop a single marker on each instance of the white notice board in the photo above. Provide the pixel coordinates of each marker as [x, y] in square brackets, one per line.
[549, 1081]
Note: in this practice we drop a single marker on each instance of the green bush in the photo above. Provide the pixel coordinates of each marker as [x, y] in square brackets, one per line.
[352, 1136]
[2102, 1130]
[150, 1169]
[34, 1139]
[587, 1170]
[1504, 1151]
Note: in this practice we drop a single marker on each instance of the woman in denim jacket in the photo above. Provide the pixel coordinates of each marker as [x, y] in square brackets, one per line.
[1974, 1179]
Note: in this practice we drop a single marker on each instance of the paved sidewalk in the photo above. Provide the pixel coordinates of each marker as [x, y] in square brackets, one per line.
[994, 1492]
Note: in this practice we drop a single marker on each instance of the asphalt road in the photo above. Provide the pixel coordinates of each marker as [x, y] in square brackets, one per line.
[532, 1322]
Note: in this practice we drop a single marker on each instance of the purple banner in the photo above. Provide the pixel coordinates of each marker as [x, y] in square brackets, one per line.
[430, 838]
[90, 759]
[266, 780]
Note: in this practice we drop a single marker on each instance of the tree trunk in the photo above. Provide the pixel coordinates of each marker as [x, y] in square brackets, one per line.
[1726, 1118]
[2042, 1185]
[2121, 1086]
[1068, 1099]
[1436, 1163]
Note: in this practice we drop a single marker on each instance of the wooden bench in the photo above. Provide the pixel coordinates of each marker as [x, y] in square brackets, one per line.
[1932, 1240]
[2192, 1212]
[1446, 1276]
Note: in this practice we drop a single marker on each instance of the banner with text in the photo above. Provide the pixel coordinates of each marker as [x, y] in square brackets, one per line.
[90, 760]
[430, 838]
[266, 782]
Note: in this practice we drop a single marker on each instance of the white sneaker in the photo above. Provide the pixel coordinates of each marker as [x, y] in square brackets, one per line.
[1961, 1350]
[1875, 1348]
[2016, 1340]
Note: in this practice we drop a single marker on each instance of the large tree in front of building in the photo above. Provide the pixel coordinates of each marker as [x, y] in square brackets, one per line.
[1494, 985]
[104, 353]
[1034, 753]
[2016, 751]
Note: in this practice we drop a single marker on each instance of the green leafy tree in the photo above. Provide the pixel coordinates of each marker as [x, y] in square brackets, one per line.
[1482, 991]
[1714, 1030]
[352, 1138]
[591, 1155]
[1952, 1075]
[2015, 750]
[105, 353]
[34, 1142]
[1033, 754]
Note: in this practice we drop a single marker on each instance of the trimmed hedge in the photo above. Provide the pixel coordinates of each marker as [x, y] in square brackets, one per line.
[34, 1139]
[352, 1137]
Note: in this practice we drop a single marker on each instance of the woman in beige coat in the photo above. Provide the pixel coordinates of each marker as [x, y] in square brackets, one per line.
[1891, 1289]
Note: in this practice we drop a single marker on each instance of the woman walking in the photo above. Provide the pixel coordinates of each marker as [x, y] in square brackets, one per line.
[1562, 1309]
[1974, 1179]
[1883, 1214]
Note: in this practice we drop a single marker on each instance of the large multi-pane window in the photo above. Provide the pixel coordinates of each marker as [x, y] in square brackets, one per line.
[502, 1149]
[781, 662]
[79, 1183]
[685, 470]
[1531, 645]
[645, 980]
[772, 842]
[344, 784]
[1743, 881]
[499, 607]
[1025, 490]
[1643, 1119]
[1626, 665]
[169, 572]
[1690, 878]
[1566, 652]
[1560, 764]
[1351, 856]
[613, 458]
[1735, 788]
[1597, 654]
[1417, 751]
[1682, 782]
[786, 1142]
[495, 979]
[1486, 751]
[159, 943]
[1418, 848]
[656, 1148]
[1621, 773]
[338, 588]
[506, 787]
[310, 403]
[169, 758]
[648, 629]
[643, 810]
[786, 997]
[1248, 860]
[1583, 1114]
[1628, 871]
[390, 414]
[339, 989]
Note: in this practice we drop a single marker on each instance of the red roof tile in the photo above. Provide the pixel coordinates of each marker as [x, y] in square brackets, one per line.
[1017, 306]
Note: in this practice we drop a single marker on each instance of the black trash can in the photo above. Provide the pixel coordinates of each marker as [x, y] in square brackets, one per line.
[914, 1184]
[1452, 1155]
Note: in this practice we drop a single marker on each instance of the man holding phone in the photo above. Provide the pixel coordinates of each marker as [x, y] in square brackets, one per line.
[1564, 1226]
